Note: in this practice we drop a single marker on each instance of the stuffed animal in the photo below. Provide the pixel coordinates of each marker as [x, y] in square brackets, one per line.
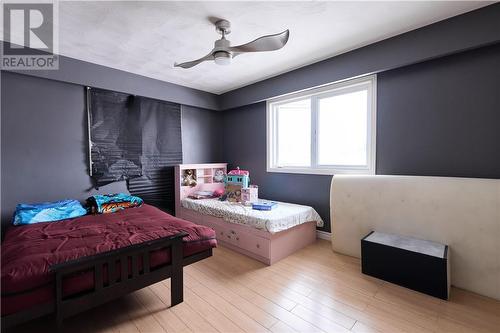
[188, 178]
[219, 176]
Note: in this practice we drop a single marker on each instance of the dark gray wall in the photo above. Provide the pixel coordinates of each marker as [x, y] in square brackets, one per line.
[437, 118]
[97, 76]
[457, 34]
[442, 117]
[44, 141]
[201, 135]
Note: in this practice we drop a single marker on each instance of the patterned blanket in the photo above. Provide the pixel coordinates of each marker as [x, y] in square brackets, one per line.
[283, 217]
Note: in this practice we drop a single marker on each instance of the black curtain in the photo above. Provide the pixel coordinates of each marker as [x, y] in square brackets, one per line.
[161, 150]
[116, 140]
[137, 139]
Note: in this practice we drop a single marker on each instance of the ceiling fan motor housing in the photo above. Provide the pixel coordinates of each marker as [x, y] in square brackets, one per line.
[222, 45]
[223, 27]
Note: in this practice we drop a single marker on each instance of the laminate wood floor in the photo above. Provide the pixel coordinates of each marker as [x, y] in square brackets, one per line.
[314, 290]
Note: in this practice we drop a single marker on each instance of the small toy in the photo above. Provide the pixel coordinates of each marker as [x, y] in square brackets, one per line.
[249, 195]
[233, 192]
[237, 176]
[264, 205]
[189, 178]
[218, 192]
[219, 176]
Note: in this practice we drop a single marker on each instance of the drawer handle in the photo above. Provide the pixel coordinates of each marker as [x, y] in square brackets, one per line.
[258, 246]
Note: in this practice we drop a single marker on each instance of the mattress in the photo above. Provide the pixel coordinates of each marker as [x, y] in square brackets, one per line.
[283, 217]
[29, 251]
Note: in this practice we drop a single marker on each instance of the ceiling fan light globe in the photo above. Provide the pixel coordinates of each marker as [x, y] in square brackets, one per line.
[222, 58]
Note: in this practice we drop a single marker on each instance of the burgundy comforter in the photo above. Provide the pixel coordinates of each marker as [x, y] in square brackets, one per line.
[29, 251]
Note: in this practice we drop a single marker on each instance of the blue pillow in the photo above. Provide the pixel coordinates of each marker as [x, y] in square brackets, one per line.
[47, 212]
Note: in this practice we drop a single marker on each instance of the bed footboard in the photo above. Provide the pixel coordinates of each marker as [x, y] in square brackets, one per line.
[130, 275]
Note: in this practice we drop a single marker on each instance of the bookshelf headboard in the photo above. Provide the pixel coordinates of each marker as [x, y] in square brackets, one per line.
[204, 174]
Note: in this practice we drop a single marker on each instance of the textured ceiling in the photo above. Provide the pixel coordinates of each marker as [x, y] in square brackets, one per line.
[148, 37]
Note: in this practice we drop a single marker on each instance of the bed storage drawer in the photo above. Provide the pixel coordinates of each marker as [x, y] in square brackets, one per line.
[255, 244]
[247, 242]
[235, 235]
[258, 244]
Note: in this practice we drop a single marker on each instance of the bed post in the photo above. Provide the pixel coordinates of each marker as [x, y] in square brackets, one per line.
[59, 316]
[176, 280]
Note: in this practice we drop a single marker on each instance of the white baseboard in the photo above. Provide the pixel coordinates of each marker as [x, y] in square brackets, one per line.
[323, 235]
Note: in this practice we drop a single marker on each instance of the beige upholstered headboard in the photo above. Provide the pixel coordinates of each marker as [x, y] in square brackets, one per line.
[461, 212]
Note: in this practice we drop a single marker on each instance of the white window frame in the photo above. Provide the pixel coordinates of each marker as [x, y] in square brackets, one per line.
[314, 94]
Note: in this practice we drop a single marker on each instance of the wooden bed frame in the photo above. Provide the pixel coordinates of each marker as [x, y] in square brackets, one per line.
[261, 245]
[64, 307]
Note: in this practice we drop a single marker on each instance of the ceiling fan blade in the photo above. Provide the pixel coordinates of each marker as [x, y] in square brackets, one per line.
[193, 63]
[265, 43]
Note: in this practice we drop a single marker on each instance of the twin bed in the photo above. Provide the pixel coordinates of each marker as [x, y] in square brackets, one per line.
[69, 266]
[267, 236]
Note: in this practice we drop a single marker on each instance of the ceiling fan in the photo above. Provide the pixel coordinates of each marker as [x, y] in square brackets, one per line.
[223, 52]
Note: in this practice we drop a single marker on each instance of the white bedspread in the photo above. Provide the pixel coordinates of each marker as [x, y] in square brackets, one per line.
[284, 216]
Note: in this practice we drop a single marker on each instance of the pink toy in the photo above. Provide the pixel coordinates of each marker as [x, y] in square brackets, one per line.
[218, 192]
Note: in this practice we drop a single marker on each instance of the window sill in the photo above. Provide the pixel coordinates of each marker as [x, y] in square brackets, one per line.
[325, 171]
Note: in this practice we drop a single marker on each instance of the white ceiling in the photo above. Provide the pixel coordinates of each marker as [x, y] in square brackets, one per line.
[148, 37]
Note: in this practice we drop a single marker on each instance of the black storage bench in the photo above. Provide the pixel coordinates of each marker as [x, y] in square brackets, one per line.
[409, 262]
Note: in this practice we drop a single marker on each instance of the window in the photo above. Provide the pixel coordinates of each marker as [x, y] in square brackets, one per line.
[325, 130]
